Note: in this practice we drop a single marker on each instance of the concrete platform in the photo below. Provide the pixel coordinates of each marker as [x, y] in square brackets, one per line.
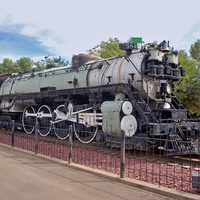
[25, 175]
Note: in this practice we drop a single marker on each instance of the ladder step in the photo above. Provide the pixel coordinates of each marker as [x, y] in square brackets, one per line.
[141, 102]
[147, 113]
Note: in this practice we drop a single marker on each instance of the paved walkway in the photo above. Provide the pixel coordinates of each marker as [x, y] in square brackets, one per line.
[27, 177]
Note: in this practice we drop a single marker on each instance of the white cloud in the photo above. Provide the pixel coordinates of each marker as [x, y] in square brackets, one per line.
[72, 27]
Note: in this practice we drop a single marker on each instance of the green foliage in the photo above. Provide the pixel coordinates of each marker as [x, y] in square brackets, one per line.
[24, 64]
[8, 66]
[189, 89]
[195, 51]
[107, 49]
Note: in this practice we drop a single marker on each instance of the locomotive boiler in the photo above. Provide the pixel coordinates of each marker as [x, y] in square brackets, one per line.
[101, 98]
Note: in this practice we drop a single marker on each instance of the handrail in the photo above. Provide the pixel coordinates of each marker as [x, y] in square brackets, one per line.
[127, 58]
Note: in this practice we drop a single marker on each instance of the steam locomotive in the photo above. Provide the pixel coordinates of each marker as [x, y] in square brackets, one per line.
[131, 94]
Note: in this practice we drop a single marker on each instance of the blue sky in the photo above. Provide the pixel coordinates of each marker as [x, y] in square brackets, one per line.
[63, 28]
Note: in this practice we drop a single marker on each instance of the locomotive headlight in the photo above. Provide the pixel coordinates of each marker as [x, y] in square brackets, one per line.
[165, 88]
[169, 89]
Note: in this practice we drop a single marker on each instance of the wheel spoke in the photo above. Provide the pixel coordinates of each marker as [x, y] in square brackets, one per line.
[83, 133]
[28, 121]
[44, 121]
[61, 129]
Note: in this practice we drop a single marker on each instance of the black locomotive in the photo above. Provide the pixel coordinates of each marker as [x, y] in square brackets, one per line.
[101, 98]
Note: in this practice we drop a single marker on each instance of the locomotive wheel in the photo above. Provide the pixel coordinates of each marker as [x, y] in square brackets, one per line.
[83, 133]
[28, 122]
[44, 117]
[61, 129]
